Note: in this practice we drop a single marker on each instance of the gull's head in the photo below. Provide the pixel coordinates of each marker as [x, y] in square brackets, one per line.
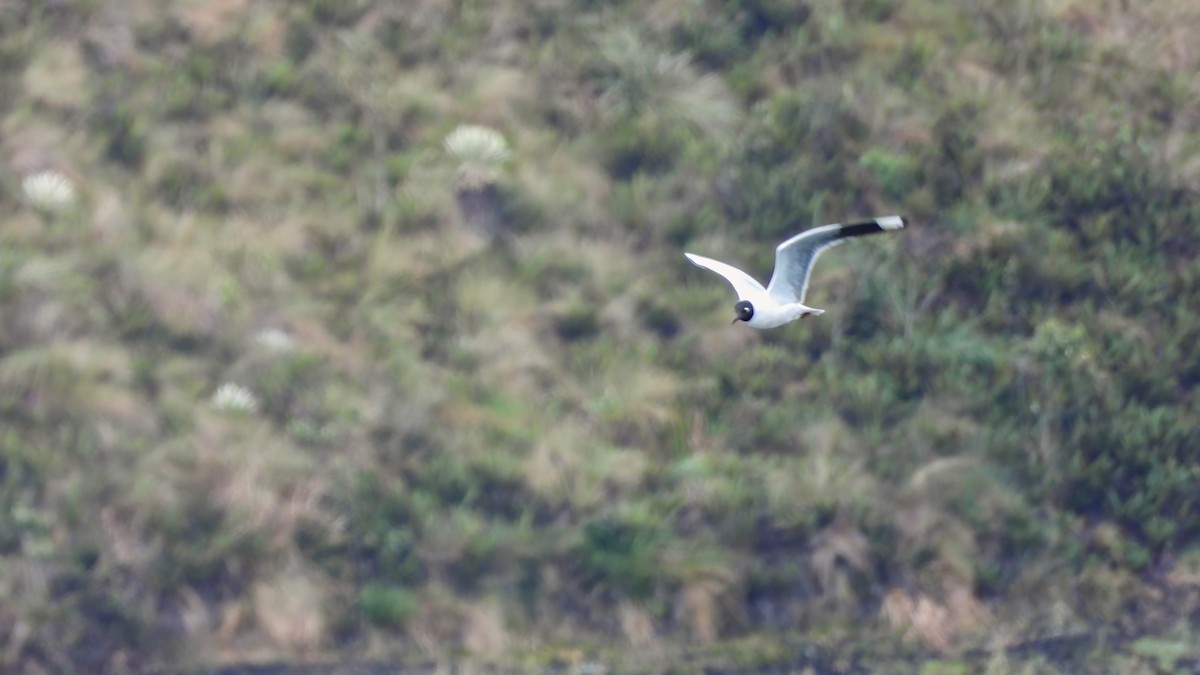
[742, 311]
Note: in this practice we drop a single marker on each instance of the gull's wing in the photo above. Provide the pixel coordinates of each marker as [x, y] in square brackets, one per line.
[794, 258]
[743, 284]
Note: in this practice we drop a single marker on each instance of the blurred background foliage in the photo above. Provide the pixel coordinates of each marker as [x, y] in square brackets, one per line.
[480, 405]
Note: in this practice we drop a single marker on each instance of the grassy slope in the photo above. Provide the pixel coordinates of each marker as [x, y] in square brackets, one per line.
[554, 440]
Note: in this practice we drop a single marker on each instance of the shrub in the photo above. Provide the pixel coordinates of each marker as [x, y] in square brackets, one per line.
[380, 528]
[126, 136]
[797, 152]
[386, 606]
[715, 38]
[336, 12]
[1138, 466]
[895, 173]
[762, 16]
[623, 553]
[953, 163]
[578, 321]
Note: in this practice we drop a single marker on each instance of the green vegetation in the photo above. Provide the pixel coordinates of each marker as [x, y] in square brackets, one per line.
[290, 371]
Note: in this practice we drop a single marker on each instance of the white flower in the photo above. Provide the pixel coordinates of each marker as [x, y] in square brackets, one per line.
[479, 150]
[49, 191]
[474, 143]
[234, 397]
[274, 340]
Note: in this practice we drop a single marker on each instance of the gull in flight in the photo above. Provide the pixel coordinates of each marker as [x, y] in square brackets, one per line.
[782, 301]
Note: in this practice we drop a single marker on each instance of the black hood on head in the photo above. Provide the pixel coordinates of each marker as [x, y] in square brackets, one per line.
[743, 311]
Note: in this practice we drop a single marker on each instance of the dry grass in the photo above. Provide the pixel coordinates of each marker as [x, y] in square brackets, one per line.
[1185, 573]
[210, 22]
[184, 292]
[701, 610]
[1157, 34]
[569, 467]
[830, 472]
[637, 626]
[938, 625]
[289, 609]
[437, 627]
[635, 404]
[839, 548]
[577, 200]
[496, 95]
[484, 630]
[486, 302]
[58, 77]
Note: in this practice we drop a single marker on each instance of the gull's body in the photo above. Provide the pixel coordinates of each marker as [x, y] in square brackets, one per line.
[782, 301]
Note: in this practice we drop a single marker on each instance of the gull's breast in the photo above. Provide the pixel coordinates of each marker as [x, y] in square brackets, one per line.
[773, 315]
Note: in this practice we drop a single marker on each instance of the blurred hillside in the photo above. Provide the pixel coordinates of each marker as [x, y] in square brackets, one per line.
[284, 379]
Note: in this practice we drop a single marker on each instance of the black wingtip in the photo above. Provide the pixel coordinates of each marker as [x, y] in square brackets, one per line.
[873, 226]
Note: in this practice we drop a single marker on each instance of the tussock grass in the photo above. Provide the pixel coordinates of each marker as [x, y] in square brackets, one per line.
[569, 468]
